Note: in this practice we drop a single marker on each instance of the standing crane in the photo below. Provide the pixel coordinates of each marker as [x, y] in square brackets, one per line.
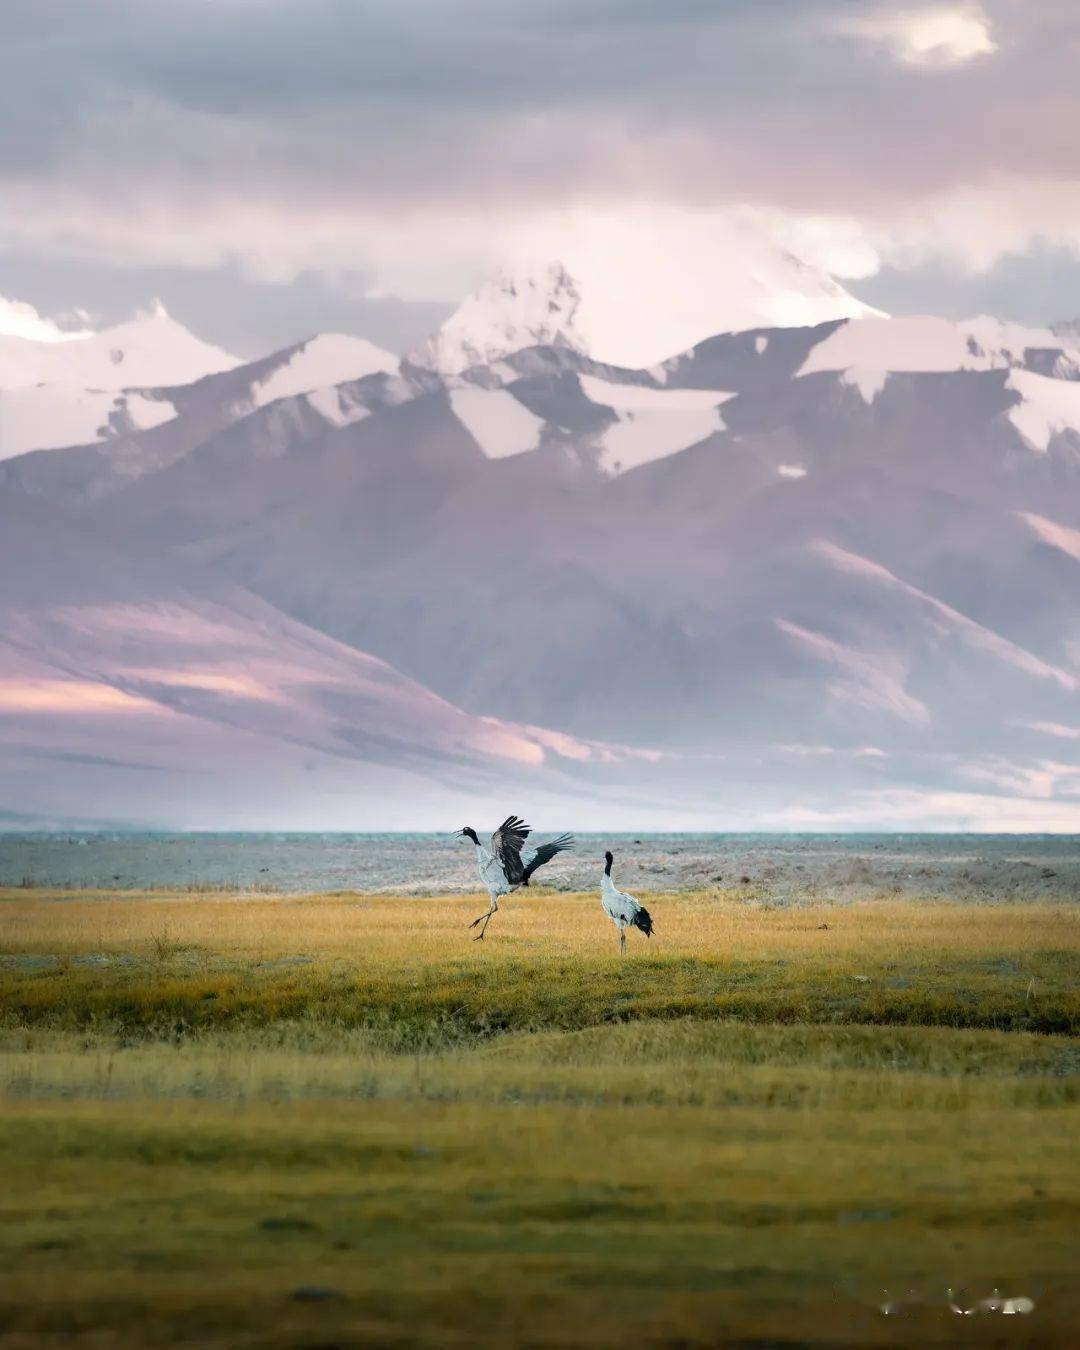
[622, 909]
[500, 866]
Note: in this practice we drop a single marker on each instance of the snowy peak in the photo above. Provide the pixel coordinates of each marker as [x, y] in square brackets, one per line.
[73, 389]
[512, 310]
[669, 301]
[149, 351]
[636, 303]
[322, 362]
[783, 291]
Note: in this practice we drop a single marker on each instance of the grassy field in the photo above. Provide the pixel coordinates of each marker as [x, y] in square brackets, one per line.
[321, 1121]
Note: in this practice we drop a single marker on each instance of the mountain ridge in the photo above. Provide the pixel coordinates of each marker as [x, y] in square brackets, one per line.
[829, 562]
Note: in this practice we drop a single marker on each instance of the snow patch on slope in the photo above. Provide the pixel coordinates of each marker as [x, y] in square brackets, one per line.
[1061, 537]
[866, 379]
[497, 422]
[337, 407]
[652, 423]
[633, 397]
[49, 417]
[868, 350]
[321, 362]
[143, 413]
[1046, 408]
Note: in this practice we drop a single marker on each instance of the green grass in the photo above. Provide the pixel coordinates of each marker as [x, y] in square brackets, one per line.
[742, 1134]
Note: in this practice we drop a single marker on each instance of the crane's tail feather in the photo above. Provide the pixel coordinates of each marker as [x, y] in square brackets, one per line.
[545, 853]
[643, 920]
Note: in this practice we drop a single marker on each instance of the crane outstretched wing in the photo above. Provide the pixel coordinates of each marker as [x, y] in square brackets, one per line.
[545, 853]
[506, 845]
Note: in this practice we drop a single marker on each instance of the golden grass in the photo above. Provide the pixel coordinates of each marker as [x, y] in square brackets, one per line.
[409, 966]
[743, 1133]
[378, 930]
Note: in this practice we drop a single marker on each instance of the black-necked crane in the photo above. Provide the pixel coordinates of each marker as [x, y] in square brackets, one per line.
[500, 866]
[622, 909]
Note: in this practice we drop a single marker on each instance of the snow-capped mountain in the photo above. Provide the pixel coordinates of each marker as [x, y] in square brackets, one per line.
[112, 438]
[89, 386]
[783, 566]
[639, 319]
[150, 351]
[511, 310]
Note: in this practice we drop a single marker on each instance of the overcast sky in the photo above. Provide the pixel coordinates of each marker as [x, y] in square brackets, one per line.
[274, 167]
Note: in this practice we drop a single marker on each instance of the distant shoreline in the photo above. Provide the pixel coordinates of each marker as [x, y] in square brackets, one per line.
[774, 869]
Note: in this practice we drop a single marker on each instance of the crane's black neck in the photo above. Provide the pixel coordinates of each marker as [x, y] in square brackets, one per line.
[470, 833]
[608, 860]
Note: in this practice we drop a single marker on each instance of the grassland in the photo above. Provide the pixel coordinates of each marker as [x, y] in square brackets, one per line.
[337, 1121]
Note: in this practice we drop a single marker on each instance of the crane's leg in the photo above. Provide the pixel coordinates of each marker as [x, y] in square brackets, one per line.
[485, 919]
[622, 941]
